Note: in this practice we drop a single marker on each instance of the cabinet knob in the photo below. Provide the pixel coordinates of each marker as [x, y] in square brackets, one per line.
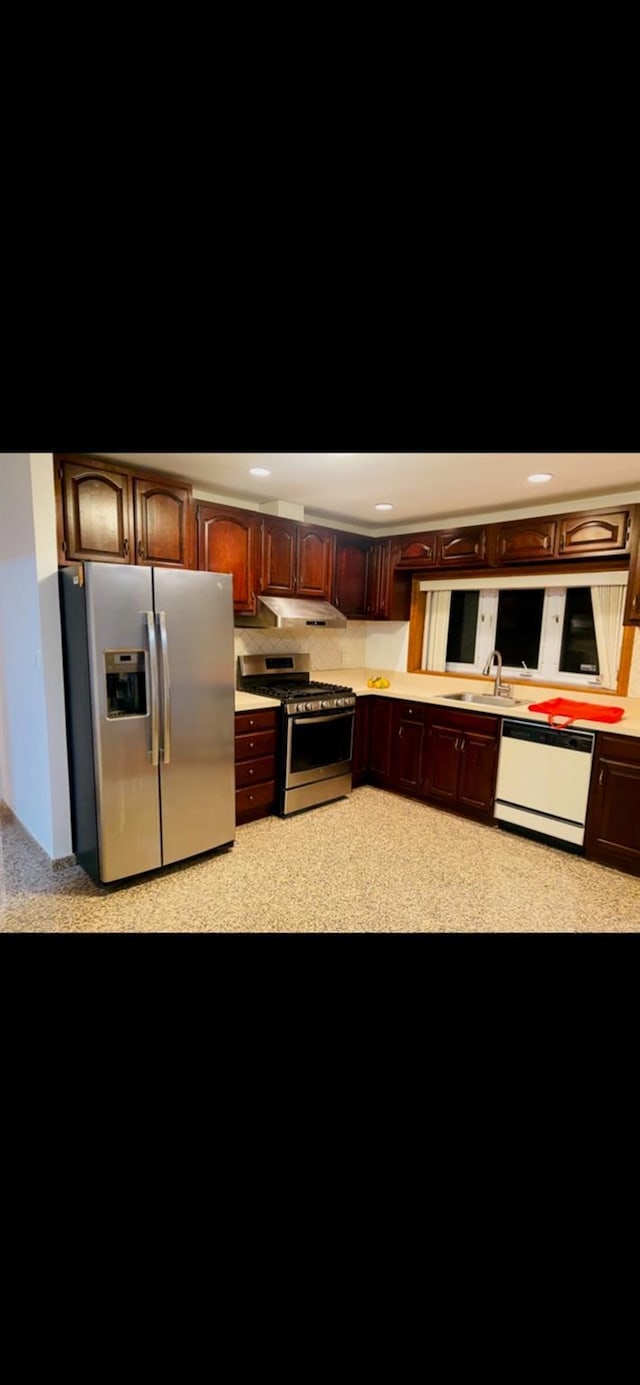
[250, 771]
[251, 721]
[140, 549]
[125, 548]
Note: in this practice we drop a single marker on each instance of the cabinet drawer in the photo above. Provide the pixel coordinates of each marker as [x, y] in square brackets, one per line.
[474, 723]
[255, 796]
[252, 747]
[255, 721]
[255, 771]
[411, 711]
[619, 748]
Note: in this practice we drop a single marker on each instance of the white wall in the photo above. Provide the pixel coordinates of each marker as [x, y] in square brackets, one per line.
[363, 644]
[33, 750]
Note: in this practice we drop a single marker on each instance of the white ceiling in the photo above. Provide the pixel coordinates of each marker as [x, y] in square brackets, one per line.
[421, 486]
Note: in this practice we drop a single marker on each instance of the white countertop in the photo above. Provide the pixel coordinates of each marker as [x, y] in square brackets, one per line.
[249, 702]
[427, 687]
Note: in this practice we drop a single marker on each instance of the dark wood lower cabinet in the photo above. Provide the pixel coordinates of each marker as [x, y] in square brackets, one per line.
[407, 743]
[256, 752]
[461, 760]
[360, 763]
[380, 729]
[446, 757]
[612, 833]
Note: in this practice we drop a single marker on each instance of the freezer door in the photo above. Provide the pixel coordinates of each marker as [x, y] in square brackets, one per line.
[194, 619]
[122, 678]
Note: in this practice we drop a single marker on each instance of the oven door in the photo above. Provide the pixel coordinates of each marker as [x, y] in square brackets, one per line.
[319, 746]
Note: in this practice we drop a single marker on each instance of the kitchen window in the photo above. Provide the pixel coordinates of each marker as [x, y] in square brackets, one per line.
[564, 634]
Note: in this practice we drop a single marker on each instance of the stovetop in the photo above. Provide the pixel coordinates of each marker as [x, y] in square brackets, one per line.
[286, 676]
[290, 692]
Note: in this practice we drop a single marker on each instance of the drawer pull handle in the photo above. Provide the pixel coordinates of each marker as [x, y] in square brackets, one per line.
[601, 778]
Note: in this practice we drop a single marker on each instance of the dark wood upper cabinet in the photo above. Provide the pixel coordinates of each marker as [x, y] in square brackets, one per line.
[163, 523]
[316, 548]
[461, 547]
[632, 604]
[107, 514]
[297, 559]
[526, 541]
[95, 507]
[583, 534]
[388, 589]
[279, 555]
[415, 551]
[229, 541]
[350, 575]
[612, 833]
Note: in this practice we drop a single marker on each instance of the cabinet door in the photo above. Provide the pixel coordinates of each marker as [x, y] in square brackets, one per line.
[407, 744]
[613, 822]
[350, 580]
[415, 551]
[360, 762]
[478, 764]
[314, 573]
[594, 534]
[632, 604]
[279, 552]
[229, 541]
[97, 513]
[388, 590]
[164, 523]
[442, 760]
[526, 540]
[380, 739]
[461, 548]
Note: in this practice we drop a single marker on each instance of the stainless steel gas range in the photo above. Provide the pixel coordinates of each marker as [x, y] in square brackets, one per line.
[316, 728]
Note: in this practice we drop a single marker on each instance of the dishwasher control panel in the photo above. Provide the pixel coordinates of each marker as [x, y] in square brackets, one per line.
[558, 736]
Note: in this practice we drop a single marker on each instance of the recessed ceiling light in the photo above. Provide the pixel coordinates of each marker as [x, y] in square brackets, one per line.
[384, 507]
[541, 476]
[258, 471]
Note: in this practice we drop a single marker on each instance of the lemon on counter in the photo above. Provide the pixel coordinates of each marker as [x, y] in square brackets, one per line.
[378, 682]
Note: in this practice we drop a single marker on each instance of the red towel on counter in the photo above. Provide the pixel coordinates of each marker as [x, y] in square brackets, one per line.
[574, 711]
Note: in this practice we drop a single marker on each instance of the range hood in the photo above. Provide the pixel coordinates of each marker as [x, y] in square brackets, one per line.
[286, 612]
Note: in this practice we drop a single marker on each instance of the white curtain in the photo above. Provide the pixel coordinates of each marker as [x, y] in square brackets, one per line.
[437, 619]
[608, 609]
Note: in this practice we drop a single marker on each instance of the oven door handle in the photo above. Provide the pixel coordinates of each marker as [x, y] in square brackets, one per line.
[333, 716]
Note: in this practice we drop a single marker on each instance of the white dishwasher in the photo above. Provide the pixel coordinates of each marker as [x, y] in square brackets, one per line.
[543, 779]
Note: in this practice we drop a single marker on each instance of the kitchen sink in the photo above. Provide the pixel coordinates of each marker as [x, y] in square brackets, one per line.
[486, 699]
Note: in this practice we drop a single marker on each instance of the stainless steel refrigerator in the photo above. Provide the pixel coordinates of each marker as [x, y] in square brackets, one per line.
[149, 688]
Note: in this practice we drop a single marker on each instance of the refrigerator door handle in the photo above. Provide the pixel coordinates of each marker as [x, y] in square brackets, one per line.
[166, 689]
[154, 753]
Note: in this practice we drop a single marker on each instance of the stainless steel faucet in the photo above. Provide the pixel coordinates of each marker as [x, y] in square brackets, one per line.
[499, 687]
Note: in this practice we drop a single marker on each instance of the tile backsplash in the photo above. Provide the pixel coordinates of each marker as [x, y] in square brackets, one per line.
[328, 648]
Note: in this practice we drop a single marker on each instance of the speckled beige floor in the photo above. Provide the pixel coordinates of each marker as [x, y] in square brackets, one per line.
[370, 863]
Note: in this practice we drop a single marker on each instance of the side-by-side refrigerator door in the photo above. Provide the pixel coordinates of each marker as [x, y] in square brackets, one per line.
[194, 620]
[126, 717]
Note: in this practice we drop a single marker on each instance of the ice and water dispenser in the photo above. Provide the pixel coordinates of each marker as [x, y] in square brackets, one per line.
[126, 683]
